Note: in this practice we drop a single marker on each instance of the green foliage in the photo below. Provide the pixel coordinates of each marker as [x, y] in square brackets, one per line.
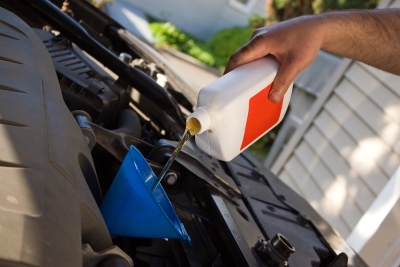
[214, 53]
[257, 21]
[287, 9]
[227, 41]
[280, 4]
[347, 4]
[167, 34]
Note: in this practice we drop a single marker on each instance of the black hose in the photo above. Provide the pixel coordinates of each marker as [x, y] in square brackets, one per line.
[129, 123]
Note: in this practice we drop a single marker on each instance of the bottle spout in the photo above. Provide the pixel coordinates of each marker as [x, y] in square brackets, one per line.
[199, 121]
[193, 125]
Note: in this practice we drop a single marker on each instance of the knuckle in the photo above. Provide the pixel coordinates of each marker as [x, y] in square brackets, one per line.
[259, 38]
[255, 32]
[235, 57]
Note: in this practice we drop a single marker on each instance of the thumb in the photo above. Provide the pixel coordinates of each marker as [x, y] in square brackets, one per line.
[285, 76]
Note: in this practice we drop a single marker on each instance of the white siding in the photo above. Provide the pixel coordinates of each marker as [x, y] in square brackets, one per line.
[395, 4]
[342, 156]
[345, 152]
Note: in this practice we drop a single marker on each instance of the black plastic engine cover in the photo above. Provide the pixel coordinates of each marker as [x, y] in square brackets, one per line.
[84, 86]
[46, 207]
[278, 209]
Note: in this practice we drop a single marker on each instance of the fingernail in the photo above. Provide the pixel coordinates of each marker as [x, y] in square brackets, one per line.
[275, 96]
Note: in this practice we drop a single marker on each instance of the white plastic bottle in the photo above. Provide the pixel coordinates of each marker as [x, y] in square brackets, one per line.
[234, 111]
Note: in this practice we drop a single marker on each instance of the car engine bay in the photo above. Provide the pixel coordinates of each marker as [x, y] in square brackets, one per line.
[77, 90]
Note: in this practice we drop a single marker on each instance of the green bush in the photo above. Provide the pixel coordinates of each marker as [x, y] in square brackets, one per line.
[257, 21]
[227, 41]
[167, 34]
[320, 6]
[286, 9]
[214, 53]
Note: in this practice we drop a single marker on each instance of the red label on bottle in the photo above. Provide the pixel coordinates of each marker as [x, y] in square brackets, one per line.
[262, 115]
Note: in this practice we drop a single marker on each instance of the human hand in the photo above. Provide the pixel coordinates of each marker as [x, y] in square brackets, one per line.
[294, 43]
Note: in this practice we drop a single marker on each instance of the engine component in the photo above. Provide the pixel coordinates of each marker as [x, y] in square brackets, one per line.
[274, 252]
[105, 29]
[171, 178]
[112, 256]
[152, 70]
[83, 86]
[125, 57]
[341, 260]
[117, 144]
[90, 137]
[193, 159]
[128, 122]
[75, 32]
[148, 68]
[311, 249]
[47, 176]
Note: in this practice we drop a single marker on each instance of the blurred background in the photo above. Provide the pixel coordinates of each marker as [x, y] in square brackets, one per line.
[339, 144]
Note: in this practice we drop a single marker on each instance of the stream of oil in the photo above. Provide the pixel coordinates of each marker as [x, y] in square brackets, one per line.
[192, 128]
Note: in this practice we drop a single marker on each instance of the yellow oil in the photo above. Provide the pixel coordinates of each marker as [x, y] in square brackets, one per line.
[192, 128]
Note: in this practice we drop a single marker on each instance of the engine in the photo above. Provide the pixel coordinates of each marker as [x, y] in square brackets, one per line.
[78, 92]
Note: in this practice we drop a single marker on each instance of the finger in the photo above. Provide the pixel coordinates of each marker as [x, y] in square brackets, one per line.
[285, 76]
[254, 49]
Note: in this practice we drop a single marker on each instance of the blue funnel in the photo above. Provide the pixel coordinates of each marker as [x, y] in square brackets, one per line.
[130, 209]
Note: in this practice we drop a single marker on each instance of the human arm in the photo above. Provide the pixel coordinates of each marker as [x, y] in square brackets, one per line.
[372, 37]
